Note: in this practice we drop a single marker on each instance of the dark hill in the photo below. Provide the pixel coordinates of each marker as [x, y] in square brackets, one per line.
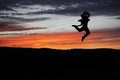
[53, 52]
[27, 63]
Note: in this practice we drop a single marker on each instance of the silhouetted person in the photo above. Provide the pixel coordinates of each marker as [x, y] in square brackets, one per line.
[84, 23]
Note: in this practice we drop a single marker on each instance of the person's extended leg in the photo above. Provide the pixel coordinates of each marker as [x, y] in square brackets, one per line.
[78, 29]
[87, 33]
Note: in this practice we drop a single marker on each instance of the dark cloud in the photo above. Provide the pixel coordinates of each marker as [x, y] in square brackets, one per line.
[117, 17]
[5, 34]
[3, 24]
[96, 7]
[24, 19]
[12, 26]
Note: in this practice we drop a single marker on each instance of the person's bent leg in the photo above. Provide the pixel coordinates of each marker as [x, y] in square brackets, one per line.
[76, 27]
[87, 33]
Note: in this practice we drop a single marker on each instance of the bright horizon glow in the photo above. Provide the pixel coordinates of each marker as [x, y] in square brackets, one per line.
[62, 41]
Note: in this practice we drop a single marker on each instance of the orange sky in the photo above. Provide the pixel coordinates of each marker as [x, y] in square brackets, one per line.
[62, 41]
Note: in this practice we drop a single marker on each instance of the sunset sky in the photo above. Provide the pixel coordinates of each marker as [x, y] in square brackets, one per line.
[47, 23]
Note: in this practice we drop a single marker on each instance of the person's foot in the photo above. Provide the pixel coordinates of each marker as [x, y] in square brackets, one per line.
[74, 26]
[83, 38]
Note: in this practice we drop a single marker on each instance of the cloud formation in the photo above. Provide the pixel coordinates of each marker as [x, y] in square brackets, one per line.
[47, 12]
[9, 18]
[13, 26]
[64, 7]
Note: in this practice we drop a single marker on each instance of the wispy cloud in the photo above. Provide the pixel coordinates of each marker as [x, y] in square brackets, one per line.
[118, 17]
[13, 26]
[9, 18]
[64, 7]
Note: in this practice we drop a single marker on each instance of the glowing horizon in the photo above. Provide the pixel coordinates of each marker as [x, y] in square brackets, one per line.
[62, 41]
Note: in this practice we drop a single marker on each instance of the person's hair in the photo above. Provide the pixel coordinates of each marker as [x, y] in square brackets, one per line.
[87, 14]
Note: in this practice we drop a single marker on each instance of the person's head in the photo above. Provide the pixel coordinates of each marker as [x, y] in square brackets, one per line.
[86, 14]
[82, 16]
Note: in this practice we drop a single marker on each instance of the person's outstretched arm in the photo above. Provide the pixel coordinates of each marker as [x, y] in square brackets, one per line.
[80, 25]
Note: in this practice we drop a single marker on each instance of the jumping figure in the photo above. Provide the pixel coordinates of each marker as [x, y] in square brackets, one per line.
[84, 23]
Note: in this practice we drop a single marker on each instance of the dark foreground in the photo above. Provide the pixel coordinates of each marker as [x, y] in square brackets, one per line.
[49, 64]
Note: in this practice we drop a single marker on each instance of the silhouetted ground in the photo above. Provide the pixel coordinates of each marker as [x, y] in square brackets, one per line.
[50, 64]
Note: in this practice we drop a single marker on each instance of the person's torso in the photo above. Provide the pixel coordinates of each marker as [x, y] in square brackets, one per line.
[84, 22]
